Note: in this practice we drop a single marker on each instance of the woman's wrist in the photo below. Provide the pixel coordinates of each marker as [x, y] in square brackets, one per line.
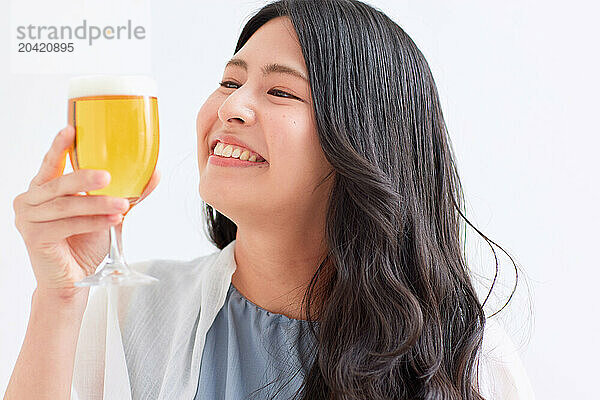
[71, 300]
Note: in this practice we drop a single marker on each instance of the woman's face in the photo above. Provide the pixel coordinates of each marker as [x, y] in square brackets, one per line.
[269, 111]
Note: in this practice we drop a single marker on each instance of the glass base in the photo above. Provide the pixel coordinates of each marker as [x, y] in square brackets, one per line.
[116, 277]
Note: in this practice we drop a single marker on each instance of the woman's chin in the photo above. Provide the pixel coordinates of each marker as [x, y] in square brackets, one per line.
[222, 197]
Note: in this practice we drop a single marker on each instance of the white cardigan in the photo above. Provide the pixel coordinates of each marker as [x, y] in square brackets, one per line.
[146, 342]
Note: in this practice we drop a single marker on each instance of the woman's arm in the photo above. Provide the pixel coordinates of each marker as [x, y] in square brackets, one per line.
[44, 368]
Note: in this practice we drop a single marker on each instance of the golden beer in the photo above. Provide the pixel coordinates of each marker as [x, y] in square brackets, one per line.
[116, 129]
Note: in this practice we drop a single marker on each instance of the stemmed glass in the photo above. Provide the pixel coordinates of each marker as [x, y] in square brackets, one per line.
[116, 129]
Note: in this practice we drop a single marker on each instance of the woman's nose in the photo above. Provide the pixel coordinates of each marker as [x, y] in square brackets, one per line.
[237, 109]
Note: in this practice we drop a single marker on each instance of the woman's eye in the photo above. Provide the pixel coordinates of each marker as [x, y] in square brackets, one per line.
[225, 83]
[277, 92]
[283, 94]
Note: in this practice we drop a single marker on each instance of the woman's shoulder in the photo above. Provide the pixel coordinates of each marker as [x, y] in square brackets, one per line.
[131, 337]
[501, 371]
[177, 279]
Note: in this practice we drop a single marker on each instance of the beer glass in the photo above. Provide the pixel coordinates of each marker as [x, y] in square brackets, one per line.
[116, 129]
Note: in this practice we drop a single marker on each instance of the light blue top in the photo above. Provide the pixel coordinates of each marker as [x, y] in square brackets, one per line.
[248, 347]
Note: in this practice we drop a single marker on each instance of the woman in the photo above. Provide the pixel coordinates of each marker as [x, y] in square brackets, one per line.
[340, 273]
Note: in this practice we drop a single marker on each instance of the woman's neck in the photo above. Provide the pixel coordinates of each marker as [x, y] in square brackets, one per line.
[274, 272]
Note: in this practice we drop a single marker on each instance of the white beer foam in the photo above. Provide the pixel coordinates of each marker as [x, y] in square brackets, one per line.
[95, 85]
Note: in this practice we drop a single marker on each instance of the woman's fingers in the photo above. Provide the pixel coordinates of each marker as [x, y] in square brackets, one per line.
[53, 164]
[75, 205]
[49, 185]
[55, 231]
[81, 180]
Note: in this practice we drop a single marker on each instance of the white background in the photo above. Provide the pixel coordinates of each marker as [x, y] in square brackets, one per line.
[117, 55]
[519, 86]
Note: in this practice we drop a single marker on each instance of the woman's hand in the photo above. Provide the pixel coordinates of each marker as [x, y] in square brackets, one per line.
[66, 233]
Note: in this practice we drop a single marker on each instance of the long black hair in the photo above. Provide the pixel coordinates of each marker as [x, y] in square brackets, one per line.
[397, 314]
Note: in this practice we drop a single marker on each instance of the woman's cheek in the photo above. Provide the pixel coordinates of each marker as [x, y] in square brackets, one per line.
[208, 112]
[207, 117]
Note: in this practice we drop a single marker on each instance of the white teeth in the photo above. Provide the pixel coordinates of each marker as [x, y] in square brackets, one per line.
[244, 156]
[227, 151]
[236, 152]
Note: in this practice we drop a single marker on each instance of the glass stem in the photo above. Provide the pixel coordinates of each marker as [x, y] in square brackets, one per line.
[115, 261]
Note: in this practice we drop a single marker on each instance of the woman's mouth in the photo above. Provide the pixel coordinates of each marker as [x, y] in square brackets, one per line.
[224, 150]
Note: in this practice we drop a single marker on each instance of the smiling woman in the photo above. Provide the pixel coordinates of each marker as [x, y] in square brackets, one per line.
[264, 104]
[352, 229]
[340, 271]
